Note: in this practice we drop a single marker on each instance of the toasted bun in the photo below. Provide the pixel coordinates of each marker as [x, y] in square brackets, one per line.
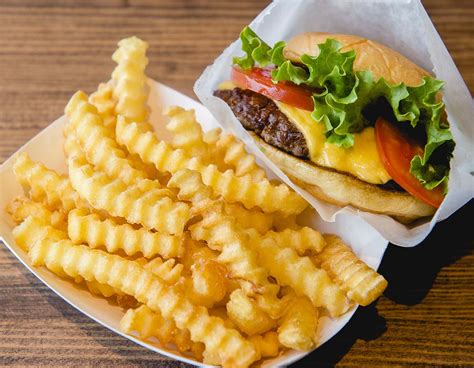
[381, 60]
[345, 190]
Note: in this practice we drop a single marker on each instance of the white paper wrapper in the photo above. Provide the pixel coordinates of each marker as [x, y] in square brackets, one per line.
[400, 24]
[47, 148]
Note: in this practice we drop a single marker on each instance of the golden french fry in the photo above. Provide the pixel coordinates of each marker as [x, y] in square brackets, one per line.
[235, 155]
[299, 325]
[233, 152]
[221, 312]
[281, 223]
[132, 279]
[71, 146]
[84, 227]
[98, 143]
[20, 208]
[301, 240]
[153, 208]
[187, 132]
[33, 229]
[169, 271]
[307, 280]
[101, 289]
[221, 233]
[218, 230]
[246, 314]
[129, 81]
[212, 136]
[104, 102]
[148, 323]
[195, 251]
[270, 198]
[46, 185]
[207, 284]
[249, 219]
[361, 283]
[266, 344]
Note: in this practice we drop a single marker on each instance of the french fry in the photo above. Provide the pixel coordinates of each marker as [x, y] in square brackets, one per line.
[308, 280]
[299, 326]
[207, 284]
[187, 132]
[302, 240]
[281, 223]
[222, 150]
[361, 283]
[46, 185]
[148, 323]
[212, 136]
[221, 312]
[246, 314]
[129, 81]
[218, 230]
[98, 143]
[132, 279]
[100, 289]
[84, 227]
[33, 229]
[268, 197]
[195, 251]
[235, 155]
[20, 208]
[71, 146]
[169, 271]
[221, 233]
[153, 208]
[104, 102]
[249, 219]
[266, 344]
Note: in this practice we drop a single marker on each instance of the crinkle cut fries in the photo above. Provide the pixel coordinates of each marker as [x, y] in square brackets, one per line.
[203, 251]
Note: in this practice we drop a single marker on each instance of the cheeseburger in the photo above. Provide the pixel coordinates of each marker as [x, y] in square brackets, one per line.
[348, 119]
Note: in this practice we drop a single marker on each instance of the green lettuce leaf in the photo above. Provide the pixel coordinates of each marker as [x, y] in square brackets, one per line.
[341, 94]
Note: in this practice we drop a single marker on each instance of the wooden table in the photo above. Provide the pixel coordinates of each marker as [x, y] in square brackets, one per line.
[51, 48]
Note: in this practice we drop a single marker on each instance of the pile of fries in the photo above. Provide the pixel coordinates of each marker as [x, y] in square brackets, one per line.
[189, 235]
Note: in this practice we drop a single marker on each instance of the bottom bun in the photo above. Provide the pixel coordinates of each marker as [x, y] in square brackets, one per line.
[345, 190]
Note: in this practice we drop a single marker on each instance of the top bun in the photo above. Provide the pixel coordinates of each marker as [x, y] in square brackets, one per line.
[381, 60]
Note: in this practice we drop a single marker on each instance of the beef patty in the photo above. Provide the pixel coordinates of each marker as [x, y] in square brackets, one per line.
[261, 115]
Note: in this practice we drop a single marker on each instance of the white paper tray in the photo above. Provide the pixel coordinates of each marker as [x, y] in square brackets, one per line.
[47, 148]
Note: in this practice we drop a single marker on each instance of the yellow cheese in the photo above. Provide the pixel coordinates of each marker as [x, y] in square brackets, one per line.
[361, 160]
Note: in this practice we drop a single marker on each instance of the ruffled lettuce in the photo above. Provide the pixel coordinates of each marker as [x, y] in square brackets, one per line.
[341, 94]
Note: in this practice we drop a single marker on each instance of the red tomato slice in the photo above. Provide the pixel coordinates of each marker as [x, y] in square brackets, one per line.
[396, 152]
[260, 80]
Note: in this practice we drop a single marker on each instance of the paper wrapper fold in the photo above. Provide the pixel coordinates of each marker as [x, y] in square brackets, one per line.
[400, 24]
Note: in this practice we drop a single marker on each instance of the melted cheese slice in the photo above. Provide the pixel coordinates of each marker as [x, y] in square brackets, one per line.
[361, 160]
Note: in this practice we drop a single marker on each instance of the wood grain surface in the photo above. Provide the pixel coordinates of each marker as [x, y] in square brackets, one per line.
[51, 48]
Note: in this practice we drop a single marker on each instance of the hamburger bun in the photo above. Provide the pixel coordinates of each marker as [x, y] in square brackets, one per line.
[344, 189]
[381, 60]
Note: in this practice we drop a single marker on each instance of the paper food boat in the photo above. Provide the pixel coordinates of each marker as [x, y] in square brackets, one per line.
[366, 242]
